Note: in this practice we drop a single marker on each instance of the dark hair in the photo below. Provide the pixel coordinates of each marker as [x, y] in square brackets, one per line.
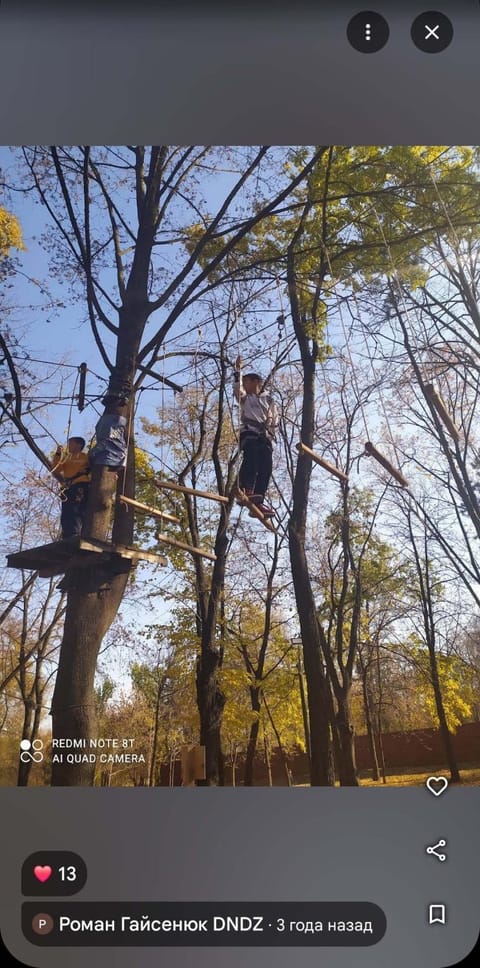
[252, 376]
[78, 440]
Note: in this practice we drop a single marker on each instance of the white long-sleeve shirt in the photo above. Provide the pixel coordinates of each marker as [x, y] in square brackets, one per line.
[258, 412]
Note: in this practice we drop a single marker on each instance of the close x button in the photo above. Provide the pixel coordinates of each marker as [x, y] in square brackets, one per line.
[432, 32]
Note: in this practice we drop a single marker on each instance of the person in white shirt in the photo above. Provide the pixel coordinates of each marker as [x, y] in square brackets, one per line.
[258, 425]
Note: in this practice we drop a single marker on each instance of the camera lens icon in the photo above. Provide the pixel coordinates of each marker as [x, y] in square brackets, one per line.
[31, 752]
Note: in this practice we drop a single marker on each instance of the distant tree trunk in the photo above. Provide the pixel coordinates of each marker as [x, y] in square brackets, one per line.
[153, 759]
[367, 707]
[442, 719]
[234, 765]
[347, 772]
[379, 718]
[171, 771]
[303, 700]
[281, 750]
[268, 764]
[253, 737]
[426, 601]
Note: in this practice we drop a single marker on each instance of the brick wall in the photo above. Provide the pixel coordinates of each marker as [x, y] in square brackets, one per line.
[422, 747]
[415, 749]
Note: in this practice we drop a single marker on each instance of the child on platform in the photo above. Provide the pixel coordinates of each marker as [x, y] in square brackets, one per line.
[258, 425]
[73, 471]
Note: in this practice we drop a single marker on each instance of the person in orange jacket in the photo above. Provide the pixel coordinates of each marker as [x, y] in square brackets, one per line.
[72, 469]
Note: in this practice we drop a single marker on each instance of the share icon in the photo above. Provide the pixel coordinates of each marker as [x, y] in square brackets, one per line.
[434, 850]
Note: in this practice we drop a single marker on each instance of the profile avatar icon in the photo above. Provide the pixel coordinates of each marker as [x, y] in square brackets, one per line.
[31, 751]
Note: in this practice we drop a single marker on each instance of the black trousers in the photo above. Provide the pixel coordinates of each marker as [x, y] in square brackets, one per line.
[256, 466]
[74, 505]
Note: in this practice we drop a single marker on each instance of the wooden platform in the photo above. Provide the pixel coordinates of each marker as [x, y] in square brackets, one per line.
[60, 556]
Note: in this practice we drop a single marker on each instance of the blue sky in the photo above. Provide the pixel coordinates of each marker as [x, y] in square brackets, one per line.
[61, 333]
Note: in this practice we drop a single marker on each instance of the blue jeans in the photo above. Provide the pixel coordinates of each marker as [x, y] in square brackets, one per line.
[74, 506]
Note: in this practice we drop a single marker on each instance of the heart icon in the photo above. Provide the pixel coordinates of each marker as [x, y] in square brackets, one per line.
[437, 785]
[42, 873]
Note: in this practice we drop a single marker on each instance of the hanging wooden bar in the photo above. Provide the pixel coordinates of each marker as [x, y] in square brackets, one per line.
[155, 512]
[183, 546]
[437, 402]
[254, 510]
[373, 452]
[331, 468]
[170, 486]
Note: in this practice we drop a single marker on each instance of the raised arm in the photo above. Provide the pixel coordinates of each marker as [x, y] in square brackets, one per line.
[55, 463]
[238, 390]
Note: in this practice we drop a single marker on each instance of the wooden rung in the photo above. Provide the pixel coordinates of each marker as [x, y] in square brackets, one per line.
[155, 512]
[170, 486]
[442, 411]
[245, 502]
[331, 468]
[140, 554]
[183, 546]
[373, 452]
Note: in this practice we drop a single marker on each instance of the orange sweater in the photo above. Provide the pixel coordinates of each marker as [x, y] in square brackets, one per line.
[74, 465]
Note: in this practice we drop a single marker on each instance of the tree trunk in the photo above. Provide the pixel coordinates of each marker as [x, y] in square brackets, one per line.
[427, 603]
[283, 755]
[211, 702]
[268, 764]
[153, 760]
[369, 724]
[94, 596]
[321, 773]
[253, 738]
[442, 719]
[210, 698]
[379, 723]
[303, 700]
[347, 771]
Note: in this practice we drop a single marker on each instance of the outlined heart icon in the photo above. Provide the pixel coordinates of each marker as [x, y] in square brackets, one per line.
[437, 785]
[42, 873]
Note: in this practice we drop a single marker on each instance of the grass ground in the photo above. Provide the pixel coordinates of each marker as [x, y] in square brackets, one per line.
[470, 777]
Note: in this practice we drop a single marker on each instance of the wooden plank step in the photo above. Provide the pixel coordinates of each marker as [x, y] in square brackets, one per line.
[372, 451]
[244, 501]
[183, 546]
[155, 512]
[171, 486]
[331, 468]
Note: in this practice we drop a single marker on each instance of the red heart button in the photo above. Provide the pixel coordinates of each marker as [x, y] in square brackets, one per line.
[42, 873]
